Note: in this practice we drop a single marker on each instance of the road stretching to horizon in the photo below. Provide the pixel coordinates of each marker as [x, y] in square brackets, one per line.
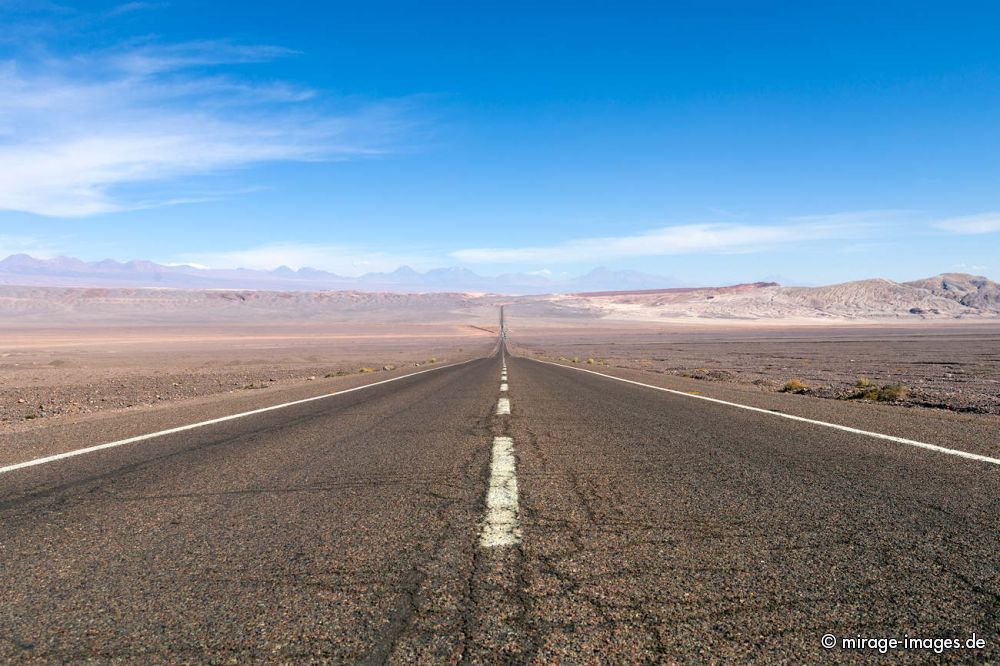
[500, 510]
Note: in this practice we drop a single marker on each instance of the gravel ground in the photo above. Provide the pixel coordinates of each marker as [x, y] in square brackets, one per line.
[46, 375]
[954, 368]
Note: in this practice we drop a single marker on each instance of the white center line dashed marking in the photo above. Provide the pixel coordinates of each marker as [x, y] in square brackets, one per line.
[503, 387]
[503, 406]
[500, 528]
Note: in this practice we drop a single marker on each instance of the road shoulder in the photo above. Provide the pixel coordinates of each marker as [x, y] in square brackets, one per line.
[972, 433]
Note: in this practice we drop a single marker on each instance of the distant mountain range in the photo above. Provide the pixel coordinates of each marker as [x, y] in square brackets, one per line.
[946, 296]
[25, 270]
[951, 296]
[601, 293]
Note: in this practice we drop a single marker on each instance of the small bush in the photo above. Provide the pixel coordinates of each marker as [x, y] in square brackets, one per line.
[887, 393]
[339, 373]
[891, 392]
[863, 383]
[576, 359]
[794, 386]
[432, 359]
[590, 361]
[365, 371]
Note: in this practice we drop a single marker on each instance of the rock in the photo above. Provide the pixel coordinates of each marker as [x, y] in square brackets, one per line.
[311, 378]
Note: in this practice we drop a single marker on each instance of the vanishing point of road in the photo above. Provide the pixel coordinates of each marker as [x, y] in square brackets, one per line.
[499, 510]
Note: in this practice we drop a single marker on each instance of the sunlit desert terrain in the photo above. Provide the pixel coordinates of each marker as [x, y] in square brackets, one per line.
[72, 352]
[951, 366]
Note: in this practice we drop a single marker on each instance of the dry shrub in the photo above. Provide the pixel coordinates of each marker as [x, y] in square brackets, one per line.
[887, 393]
[891, 392]
[794, 386]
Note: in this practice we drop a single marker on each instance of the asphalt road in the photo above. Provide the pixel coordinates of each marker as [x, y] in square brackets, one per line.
[397, 523]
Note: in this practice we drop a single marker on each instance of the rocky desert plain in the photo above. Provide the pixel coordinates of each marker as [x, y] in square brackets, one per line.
[71, 354]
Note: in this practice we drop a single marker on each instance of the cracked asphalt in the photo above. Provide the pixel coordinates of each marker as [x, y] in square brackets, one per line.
[655, 528]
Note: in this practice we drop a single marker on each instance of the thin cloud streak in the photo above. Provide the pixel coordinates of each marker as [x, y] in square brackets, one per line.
[983, 223]
[678, 239]
[74, 130]
[132, 7]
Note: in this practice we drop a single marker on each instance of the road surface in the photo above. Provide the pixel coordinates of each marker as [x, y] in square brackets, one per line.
[446, 518]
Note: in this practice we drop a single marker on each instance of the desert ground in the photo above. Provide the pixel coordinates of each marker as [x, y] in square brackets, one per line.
[944, 366]
[70, 353]
[50, 374]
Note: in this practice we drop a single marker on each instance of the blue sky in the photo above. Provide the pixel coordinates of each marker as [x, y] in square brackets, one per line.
[709, 142]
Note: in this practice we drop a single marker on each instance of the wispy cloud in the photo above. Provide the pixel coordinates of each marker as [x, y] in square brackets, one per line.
[36, 247]
[672, 240]
[341, 259]
[131, 7]
[971, 267]
[144, 60]
[983, 223]
[74, 131]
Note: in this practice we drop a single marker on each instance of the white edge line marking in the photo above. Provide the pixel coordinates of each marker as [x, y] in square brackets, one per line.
[503, 406]
[500, 527]
[792, 417]
[221, 419]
